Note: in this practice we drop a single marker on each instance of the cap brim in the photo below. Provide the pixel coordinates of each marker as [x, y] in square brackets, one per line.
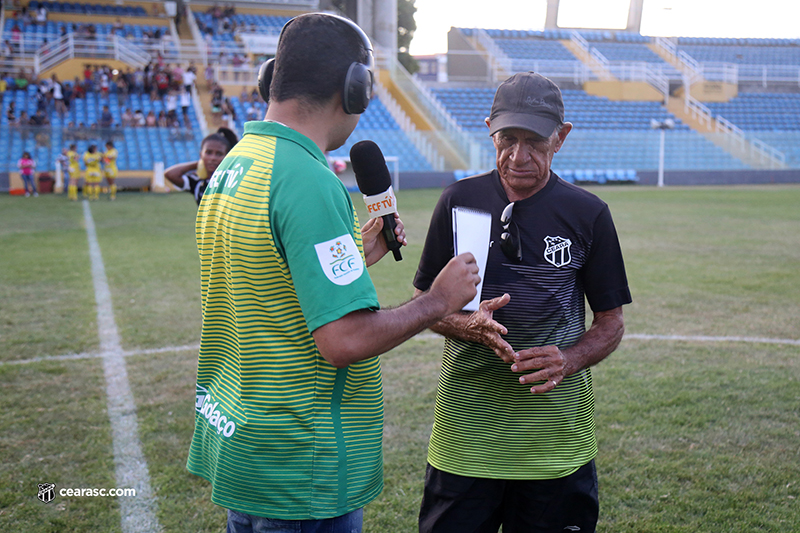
[539, 125]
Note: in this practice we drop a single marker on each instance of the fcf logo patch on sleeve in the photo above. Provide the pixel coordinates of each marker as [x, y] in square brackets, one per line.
[340, 259]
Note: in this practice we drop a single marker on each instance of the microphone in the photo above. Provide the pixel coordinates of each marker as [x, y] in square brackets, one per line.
[375, 183]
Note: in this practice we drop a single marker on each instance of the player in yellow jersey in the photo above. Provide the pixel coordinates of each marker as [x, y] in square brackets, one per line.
[94, 174]
[74, 170]
[110, 168]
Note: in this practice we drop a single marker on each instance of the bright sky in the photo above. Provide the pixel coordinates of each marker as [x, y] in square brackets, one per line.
[678, 18]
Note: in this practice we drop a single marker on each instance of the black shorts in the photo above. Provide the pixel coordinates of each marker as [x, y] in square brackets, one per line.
[458, 504]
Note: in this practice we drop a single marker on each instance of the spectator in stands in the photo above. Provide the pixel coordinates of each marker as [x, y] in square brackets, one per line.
[58, 96]
[66, 87]
[81, 132]
[175, 76]
[161, 120]
[41, 101]
[11, 84]
[117, 27]
[139, 81]
[24, 124]
[189, 77]
[127, 118]
[27, 167]
[209, 76]
[186, 102]
[139, 119]
[193, 176]
[216, 104]
[228, 114]
[3, 87]
[150, 119]
[16, 37]
[11, 113]
[41, 15]
[161, 80]
[529, 467]
[21, 81]
[252, 112]
[106, 122]
[87, 77]
[78, 89]
[122, 88]
[6, 51]
[175, 133]
[39, 118]
[171, 101]
[69, 132]
[104, 84]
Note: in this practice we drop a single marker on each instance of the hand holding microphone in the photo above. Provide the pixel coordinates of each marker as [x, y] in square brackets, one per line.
[375, 183]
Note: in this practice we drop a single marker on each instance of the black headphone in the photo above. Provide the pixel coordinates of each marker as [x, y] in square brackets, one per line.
[357, 90]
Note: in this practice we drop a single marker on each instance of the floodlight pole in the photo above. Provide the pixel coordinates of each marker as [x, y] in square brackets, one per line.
[662, 125]
[662, 142]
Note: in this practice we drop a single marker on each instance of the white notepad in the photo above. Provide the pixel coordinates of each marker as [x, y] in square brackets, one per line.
[472, 233]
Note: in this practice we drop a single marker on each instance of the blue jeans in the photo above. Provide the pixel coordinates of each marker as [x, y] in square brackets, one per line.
[27, 179]
[247, 523]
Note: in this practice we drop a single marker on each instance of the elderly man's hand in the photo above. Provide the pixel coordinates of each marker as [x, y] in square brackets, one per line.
[482, 328]
[548, 363]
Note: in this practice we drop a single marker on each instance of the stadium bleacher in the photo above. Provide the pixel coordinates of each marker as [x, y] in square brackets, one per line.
[139, 148]
[611, 141]
[90, 9]
[773, 118]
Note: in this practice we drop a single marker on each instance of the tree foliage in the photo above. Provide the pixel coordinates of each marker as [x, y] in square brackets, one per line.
[406, 26]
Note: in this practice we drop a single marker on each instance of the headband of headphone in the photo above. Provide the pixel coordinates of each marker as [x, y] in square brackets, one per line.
[357, 90]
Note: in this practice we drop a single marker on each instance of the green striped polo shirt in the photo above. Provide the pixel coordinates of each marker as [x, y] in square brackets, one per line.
[486, 423]
[279, 432]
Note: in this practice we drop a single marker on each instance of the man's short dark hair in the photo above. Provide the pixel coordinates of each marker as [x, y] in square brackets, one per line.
[313, 56]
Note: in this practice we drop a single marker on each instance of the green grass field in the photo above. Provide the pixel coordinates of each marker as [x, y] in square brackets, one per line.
[694, 435]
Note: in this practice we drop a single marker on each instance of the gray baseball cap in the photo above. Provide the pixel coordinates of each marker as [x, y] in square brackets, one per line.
[528, 101]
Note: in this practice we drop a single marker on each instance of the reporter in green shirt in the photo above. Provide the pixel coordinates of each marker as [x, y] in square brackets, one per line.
[289, 405]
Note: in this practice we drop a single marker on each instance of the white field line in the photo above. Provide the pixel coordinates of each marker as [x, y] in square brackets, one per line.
[95, 355]
[690, 338]
[420, 336]
[138, 514]
[704, 338]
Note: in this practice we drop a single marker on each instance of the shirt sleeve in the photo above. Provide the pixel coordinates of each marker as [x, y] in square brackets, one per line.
[317, 233]
[604, 279]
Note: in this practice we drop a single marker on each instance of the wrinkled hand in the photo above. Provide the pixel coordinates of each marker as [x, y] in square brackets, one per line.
[455, 286]
[548, 364]
[483, 329]
[374, 245]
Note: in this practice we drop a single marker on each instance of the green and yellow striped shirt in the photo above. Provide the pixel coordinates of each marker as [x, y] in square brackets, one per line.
[279, 432]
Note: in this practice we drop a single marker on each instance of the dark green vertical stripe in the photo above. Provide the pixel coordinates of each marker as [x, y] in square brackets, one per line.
[341, 448]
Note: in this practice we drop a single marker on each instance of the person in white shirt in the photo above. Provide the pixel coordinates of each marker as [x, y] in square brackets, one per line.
[58, 96]
[186, 101]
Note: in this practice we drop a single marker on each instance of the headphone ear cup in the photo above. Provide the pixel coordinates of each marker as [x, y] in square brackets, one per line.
[357, 89]
[265, 78]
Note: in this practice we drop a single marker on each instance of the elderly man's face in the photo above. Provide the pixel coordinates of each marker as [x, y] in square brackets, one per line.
[524, 158]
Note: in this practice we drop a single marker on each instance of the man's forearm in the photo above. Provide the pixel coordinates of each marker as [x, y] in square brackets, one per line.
[363, 334]
[602, 338]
